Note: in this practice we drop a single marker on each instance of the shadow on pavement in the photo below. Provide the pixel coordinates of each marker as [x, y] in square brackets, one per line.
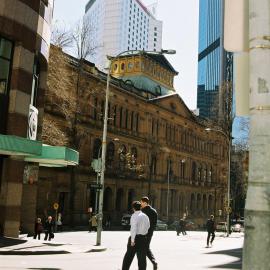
[7, 242]
[45, 268]
[53, 244]
[230, 252]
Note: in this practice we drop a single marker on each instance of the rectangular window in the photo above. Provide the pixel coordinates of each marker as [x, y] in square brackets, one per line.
[95, 109]
[6, 47]
[114, 115]
[126, 124]
[6, 51]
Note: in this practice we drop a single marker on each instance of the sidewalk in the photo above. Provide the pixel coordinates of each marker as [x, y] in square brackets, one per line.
[29, 246]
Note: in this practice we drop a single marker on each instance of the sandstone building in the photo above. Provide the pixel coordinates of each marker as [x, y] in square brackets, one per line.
[156, 145]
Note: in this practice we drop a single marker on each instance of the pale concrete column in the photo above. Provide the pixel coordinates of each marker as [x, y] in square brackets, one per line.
[257, 211]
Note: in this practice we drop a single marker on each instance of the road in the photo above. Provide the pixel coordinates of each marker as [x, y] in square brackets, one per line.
[173, 253]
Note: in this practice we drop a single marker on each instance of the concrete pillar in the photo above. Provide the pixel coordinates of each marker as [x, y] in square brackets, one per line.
[11, 197]
[257, 211]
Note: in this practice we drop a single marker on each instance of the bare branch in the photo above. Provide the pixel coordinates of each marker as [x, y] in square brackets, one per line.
[61, 36]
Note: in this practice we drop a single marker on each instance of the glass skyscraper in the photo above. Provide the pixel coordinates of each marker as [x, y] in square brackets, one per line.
[214, 64]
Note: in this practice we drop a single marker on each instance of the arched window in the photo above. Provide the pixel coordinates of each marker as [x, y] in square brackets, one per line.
[132, 120]
[126, 122]
[119, 199]
[199, 204]
[97, 149]
[121, 117]
[192, 203]
[122, 157]
[102, 110]
[137, 122]
[110, 154]
[114, 115]
[95, 109]
[194, 169]
[108, 195]
[134, 156]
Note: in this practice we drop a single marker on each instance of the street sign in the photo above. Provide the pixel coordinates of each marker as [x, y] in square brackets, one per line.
[96, 186]
[55, 206]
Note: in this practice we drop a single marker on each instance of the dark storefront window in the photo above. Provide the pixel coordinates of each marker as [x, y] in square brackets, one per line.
[6, 47]
[5, 60]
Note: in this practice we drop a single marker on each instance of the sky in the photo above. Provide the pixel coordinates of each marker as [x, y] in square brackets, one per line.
[180, 32]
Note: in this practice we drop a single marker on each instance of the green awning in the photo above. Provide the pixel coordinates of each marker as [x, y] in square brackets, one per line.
[55, 156]
[19, 146]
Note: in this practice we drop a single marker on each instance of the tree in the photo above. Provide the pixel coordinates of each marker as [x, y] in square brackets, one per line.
[69, 91]
[61, 36]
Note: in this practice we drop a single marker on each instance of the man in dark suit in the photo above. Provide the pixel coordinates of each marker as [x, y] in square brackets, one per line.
[210, 227]
[48, 229]
[152, 215]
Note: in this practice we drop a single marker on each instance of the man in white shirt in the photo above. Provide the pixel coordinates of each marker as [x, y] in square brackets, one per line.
[137, 242]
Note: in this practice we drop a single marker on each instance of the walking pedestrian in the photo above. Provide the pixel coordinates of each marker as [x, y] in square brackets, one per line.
[38, 228]
[59, 222]
[48, 229]
[137, 242]
[181, 227]
[184, 228]
[93, 223]
[210, 227]
[152, 215]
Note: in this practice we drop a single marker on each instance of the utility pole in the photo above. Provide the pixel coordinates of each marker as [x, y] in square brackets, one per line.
[103, 159]
[257, 211]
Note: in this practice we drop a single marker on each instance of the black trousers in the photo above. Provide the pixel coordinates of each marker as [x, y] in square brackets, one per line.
[139, 249]
[212, 238]
[149, 253]
[37, 234]
[48, 234]
[181, 230]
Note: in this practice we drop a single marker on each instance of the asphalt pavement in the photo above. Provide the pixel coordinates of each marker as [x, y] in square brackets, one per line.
[74, 251]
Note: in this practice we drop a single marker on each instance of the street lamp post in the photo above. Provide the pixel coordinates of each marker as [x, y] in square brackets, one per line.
[228, 138]
[104, 138]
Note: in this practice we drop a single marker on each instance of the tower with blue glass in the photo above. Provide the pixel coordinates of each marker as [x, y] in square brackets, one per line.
[214, 63]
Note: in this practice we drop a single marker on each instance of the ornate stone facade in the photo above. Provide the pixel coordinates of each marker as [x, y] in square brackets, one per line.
[156, 146]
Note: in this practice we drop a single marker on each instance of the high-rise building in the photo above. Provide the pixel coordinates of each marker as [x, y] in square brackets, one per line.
[214, 63]
[121, 25]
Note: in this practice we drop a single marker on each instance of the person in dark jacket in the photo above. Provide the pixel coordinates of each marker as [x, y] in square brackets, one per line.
[210, 227]
[38, 228]
[152, 215]
[48, 229]
[181, 228]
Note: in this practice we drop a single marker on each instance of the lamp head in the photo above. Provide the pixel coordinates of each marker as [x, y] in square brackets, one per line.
[168, 51]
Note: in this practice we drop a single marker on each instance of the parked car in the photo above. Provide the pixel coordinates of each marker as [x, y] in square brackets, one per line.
[125, 221]
[173, 225]
[191, 226]
[221, 227]
[237, 228]
[161, 226]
